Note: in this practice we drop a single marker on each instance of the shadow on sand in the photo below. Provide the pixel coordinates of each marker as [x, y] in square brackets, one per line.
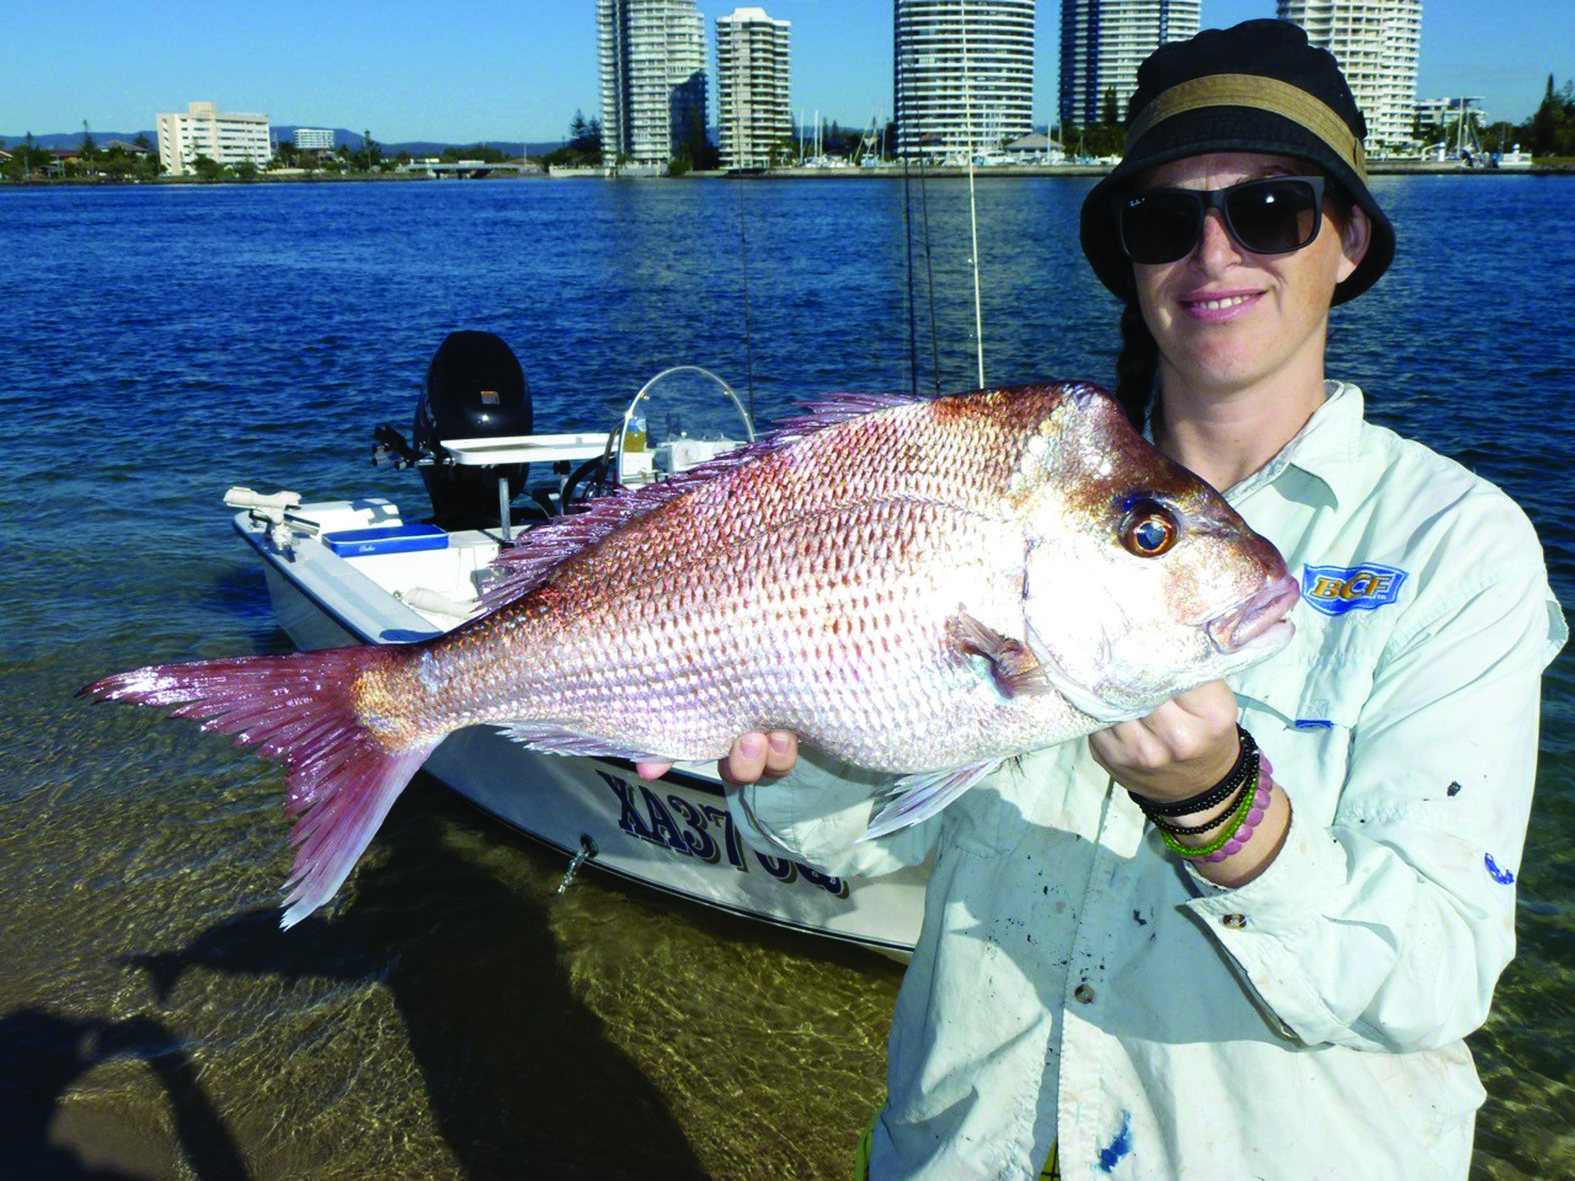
[520, 1077]
[43, 1054]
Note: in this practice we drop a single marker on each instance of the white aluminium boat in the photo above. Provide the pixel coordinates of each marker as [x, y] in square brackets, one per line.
[364, 572]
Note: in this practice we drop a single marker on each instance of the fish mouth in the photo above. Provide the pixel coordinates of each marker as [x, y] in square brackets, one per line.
[1259, 618]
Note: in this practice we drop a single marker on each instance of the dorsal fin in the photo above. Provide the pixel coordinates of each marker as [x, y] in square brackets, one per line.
[521, 569]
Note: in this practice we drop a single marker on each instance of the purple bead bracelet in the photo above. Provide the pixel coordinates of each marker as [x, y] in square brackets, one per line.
[1254, 817]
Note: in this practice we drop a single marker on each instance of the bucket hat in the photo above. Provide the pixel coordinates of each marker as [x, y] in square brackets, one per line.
[1255, 87]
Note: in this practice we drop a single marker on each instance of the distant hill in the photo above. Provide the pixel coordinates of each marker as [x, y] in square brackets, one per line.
[72, 139]
[343, 137]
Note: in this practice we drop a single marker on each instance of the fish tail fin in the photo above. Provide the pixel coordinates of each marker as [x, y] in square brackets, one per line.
[299, 708]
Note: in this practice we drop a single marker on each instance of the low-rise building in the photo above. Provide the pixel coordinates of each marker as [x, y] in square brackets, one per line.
[314, 139]
[204, 130]
[1446, 112]
[1036, 146]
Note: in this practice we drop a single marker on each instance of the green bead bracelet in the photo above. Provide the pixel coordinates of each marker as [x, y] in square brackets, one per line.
[1238, 816]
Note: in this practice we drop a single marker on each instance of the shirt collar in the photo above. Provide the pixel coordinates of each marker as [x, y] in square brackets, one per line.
[1325, 448]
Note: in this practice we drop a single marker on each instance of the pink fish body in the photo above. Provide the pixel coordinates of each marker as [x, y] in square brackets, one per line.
[922, 587]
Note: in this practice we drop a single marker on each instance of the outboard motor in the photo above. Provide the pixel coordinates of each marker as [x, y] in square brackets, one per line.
[475, 389]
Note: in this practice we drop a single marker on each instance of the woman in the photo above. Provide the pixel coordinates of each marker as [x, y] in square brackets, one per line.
[1237, 966]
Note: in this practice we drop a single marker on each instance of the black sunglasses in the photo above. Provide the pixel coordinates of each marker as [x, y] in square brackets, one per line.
[1272, 216]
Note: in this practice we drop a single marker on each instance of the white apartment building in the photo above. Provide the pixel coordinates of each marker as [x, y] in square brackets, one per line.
[751, 87]
[1102, 44]
[1377, 43]
[204, 130]
[1445, 113]
[652, 55]
[964, 74]
[314, 139]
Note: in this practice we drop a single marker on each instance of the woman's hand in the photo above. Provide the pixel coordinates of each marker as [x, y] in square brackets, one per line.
[754, 756]
[1183, 748]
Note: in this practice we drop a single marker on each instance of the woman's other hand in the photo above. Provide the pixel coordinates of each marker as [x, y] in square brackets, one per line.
[753, 757]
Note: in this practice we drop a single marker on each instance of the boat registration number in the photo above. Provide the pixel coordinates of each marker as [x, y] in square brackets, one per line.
[705, 831]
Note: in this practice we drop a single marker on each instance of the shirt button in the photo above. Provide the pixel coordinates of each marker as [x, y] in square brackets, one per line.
[1083, 993]
[1234, 921]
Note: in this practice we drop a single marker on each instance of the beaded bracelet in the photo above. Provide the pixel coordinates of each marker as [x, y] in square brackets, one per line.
[1192, 830]
[1246, 764]
[1246, 817]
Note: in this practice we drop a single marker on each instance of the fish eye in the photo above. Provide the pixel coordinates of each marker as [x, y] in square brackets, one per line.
[1149, 529]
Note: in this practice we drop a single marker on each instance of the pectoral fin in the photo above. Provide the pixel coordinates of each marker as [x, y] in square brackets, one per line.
[1014, 667]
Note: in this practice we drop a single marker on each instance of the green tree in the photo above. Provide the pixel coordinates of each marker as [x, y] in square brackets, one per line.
[488, 155]
[89, 153]
[371, 152]
[117, 165]
[695, 150]
[584, 148]
[1499, 137]
[28, 158]
[1551, 129]
[206, 168]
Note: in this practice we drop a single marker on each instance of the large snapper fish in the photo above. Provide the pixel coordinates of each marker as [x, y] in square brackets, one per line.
[922, 587]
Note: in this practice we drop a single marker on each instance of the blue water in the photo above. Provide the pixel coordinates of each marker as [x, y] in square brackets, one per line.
[455, 1017]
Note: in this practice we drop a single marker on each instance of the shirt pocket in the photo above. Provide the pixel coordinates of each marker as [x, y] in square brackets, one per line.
[984, 823]
[1304, 716]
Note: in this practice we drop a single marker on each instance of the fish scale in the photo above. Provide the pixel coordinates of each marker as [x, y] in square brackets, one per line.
[920, 587]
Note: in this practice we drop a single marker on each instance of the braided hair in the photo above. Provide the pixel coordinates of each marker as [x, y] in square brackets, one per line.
[1137, 366]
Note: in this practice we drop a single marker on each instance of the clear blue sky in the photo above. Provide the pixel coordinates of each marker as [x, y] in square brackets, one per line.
[466, 70]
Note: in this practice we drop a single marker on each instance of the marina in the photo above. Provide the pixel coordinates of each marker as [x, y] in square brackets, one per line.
[452, 1014]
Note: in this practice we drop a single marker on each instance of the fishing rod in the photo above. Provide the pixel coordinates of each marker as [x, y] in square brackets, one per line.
[973, 206]
[907, 220]
[749, 339]
[929, 281]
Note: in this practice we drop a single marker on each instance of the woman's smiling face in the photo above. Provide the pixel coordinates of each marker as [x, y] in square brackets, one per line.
[1226, 319]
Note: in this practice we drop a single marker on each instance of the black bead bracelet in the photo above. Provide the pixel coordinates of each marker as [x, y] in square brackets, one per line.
[1192, 830]
[1246, 762]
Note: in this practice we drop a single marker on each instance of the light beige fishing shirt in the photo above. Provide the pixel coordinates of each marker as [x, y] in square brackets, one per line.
[1074, 982]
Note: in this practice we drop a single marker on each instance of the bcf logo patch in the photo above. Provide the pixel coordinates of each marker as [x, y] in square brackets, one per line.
[1334, 590]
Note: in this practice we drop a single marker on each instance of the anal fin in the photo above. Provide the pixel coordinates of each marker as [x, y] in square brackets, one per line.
[920, 796]
[559, 740]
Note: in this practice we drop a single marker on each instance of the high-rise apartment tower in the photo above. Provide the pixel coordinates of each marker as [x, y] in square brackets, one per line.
[751, 87]
[964, 75]
[204, 130]
[1102, 44]
[1377, 43]
[653, 78]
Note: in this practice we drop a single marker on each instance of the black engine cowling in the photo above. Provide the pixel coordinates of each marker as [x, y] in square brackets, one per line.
[475, 389]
